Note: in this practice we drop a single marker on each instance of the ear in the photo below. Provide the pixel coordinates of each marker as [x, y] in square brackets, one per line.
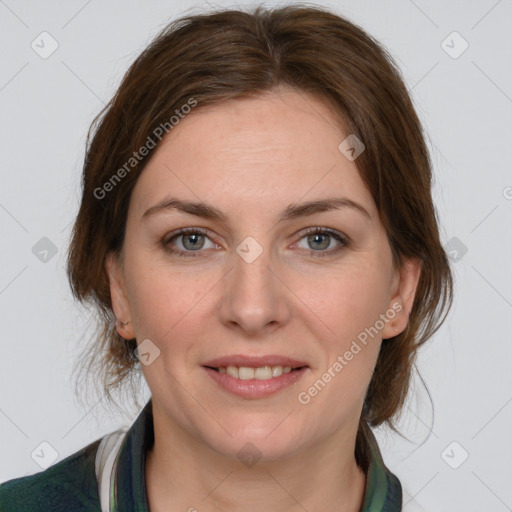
[405, 283]
[119, 297]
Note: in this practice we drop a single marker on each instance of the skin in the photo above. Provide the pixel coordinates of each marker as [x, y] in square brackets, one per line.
[250, 159]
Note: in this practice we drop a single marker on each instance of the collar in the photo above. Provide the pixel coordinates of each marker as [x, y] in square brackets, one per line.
[383, 492]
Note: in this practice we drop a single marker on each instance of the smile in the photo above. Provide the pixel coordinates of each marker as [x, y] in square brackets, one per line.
[261, 373]
[255, 376]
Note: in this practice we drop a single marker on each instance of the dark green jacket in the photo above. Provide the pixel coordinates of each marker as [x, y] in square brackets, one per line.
[71, 485]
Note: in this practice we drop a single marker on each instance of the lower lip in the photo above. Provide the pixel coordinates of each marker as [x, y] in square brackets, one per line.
[255, 388]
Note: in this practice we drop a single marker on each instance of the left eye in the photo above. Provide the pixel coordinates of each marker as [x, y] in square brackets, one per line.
[322, 240]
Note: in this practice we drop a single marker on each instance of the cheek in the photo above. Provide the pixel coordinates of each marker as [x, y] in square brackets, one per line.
[349, 303]
[347, 300]
[164, 300]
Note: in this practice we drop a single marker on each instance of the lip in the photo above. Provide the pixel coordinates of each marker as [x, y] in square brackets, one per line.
[255, 388]
[254, 361]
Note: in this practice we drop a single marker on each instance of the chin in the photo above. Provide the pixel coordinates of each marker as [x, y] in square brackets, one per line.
[256, 440]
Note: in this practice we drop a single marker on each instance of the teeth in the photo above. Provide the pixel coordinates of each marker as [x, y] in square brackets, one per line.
[245, 373]
[263, 373]
[260, 373]
[232, 371]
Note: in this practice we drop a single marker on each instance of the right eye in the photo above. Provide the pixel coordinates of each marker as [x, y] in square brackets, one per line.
[188, 241]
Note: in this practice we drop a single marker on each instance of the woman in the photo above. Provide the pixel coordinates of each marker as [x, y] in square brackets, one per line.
[258, 234]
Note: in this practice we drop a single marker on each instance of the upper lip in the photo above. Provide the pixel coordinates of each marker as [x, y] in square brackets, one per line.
[254, 361]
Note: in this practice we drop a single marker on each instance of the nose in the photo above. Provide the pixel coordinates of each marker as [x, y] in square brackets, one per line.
[255, 299]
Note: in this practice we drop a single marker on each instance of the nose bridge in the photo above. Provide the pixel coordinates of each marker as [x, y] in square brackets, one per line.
[253, 296]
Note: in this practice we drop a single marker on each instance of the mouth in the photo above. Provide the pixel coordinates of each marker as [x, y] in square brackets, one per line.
[255, 377]
[265, 372]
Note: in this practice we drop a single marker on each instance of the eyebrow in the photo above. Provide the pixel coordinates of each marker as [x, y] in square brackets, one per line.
[292, 211]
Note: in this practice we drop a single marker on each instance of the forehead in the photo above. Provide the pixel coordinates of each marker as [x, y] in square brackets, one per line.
[266, 151]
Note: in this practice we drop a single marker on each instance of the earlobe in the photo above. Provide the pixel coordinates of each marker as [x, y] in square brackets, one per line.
[401, 302]
[118, 296]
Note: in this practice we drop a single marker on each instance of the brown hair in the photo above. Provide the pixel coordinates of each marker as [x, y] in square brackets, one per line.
[228, 54]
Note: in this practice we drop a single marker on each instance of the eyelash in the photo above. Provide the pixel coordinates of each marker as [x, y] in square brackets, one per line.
[343, 241]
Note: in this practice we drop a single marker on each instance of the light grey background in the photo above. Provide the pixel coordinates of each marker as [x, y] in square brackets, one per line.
[465, 103]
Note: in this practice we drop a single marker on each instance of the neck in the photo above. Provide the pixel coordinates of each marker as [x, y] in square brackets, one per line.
[183, 474]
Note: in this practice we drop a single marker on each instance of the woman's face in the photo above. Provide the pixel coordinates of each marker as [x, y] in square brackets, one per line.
[251, 285]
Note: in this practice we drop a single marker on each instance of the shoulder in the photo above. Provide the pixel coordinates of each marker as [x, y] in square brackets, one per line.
[68, 486]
